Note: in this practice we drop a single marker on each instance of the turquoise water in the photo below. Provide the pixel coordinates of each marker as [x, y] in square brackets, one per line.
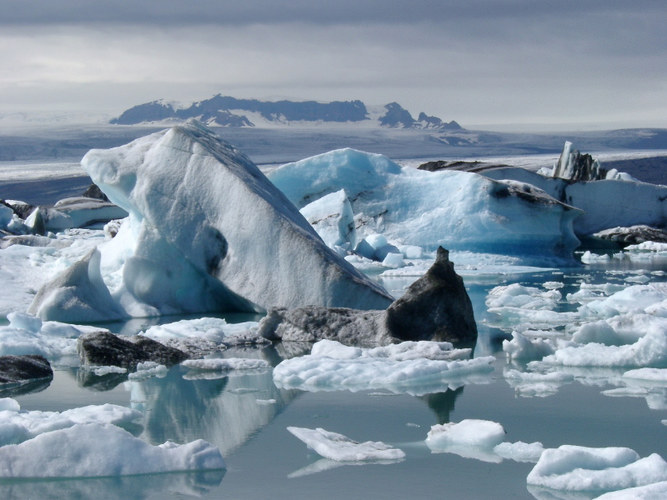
[246, 416]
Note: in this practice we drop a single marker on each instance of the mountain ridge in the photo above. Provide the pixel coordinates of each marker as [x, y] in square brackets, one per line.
[227, 111]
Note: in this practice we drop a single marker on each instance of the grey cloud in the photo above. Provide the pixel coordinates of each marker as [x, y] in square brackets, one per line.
[448, 12]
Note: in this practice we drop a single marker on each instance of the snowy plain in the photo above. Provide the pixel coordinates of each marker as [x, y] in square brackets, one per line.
[541, 399]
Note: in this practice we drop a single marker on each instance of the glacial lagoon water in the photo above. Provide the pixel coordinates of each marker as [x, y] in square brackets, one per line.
[247, 416]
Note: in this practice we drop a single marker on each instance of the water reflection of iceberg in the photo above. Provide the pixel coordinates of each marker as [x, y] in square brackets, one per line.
[143, 486]
[225, 411]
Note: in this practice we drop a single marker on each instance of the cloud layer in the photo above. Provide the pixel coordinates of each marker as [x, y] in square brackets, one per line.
[477, 62]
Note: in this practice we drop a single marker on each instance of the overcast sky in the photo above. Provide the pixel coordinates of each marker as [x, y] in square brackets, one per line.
[567, 63]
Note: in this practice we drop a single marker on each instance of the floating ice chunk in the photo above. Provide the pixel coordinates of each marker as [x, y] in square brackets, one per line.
[95, 450]
[648, 351]
[588, 292]
[633, 299]
[589, 257]
[78, 212]
[332, 218]
[523, 348]
[515, 305]
[25, 322]
[376, 247]
[225, 364]
[17, 426]
[411, 251]
[516, 295]
[648, 246]
[27, 334]
[520, 451]
[470, 438]
[577, 468]
[600, 332]
[78, 294]
[393, 260]
[410, 367]
[6, 215]
[205, 332]
[340, 448]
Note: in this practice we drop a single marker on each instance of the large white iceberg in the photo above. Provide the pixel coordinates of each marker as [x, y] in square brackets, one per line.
[206, 232]
[458, 210]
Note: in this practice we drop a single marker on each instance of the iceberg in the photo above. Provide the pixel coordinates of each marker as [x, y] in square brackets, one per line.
[415, 368]
[206, 232]
[458, 210]
[606, 201]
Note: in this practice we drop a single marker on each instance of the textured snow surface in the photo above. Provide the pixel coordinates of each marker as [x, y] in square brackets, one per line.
[408, 367]
[340, 448]
[94, 450]
[578, 468]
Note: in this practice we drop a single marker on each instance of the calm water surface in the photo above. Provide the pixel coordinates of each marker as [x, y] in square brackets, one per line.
[246, 416]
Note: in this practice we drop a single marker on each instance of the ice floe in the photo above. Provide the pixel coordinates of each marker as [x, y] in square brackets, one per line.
[578, 468]
[519, 451]
[27, 334]
[470, 438]
[340, 448]
[17, 426]
[408, 367]
[205, 334]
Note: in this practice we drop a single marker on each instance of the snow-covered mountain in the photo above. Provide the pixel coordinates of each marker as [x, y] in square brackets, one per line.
[225, 111]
